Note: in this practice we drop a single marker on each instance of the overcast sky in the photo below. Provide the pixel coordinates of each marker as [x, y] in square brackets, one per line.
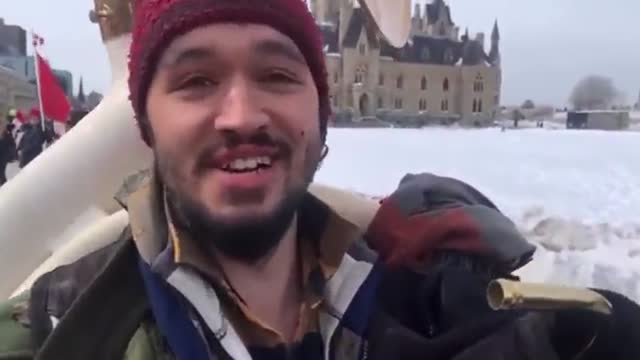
[547, 45]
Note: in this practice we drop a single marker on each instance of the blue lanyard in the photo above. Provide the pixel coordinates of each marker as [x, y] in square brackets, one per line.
[172, 317]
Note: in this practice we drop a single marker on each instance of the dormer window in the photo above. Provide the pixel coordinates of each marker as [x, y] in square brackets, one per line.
[425, 54]
[443, 30]
[363, 49]
[448, 56]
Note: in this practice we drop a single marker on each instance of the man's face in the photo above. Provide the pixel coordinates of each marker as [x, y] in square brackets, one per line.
[234, 116]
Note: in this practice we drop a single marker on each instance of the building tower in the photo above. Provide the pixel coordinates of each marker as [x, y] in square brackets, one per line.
[495, 61]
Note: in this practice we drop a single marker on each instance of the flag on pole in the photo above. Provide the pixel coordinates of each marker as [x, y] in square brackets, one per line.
[54, 102]
[37, 40]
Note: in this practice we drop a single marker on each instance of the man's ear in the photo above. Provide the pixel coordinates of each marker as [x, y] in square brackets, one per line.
[146, 132]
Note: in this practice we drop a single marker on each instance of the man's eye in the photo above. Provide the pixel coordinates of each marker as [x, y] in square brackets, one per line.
[279, 77]
[196, 82]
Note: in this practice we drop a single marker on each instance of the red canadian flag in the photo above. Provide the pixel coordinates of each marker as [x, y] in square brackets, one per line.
[55, 104]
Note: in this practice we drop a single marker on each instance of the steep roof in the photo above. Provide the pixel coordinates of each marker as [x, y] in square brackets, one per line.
[425, 50]
[433, 11]
[357, 23]
[330, 38]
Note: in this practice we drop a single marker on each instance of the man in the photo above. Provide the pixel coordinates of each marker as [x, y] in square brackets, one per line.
[228, 256]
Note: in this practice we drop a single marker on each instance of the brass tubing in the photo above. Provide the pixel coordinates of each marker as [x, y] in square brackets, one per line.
[505, 294]
[113, 16]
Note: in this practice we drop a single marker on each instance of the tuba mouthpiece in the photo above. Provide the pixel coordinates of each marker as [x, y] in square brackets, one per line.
[505, 294]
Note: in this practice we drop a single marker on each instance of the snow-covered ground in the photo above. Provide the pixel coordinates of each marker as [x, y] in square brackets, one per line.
[574, 193]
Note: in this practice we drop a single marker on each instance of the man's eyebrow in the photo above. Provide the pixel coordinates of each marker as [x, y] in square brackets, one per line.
[181, 56]
[279, 48]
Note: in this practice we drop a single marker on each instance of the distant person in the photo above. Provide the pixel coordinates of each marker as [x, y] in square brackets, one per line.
[7, 149]
[32, 141]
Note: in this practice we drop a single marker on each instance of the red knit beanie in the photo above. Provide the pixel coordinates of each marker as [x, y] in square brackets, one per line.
[157, 22]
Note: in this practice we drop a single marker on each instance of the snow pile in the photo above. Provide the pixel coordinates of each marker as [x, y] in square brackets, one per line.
[571, 252]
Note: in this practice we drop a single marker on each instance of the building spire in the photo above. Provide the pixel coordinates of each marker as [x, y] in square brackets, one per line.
[494, 53]
[495, 33]
[81, 97]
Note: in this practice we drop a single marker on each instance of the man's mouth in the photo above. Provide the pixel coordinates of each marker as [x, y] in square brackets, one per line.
[246, 159]
[248, 164]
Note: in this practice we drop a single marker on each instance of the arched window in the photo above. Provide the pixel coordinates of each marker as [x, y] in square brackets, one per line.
[400, 82]
[422, 105]
[360, 75]
[444, 106]
[381, 80]
[478, 84]
[423, 83]
[445, 85]
[475, 106]
[480, 105]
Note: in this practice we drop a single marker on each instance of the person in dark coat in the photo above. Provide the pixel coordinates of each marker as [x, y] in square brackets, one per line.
[7, 150]
[33, 140]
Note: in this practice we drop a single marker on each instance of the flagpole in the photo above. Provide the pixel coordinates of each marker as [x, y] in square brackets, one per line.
[37, 68]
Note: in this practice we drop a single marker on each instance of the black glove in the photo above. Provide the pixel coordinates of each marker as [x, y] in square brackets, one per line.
[498, 336]
[444, 315]
[598, 336]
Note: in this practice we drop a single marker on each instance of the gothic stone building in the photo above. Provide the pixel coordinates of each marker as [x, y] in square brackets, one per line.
[437, 76]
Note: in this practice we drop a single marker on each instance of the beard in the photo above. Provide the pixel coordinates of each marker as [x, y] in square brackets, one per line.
[248, 240]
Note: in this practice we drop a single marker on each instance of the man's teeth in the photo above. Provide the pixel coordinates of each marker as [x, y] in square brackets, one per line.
[248, 163]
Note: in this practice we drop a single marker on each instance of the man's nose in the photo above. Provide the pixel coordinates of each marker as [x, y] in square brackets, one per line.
[241, 112]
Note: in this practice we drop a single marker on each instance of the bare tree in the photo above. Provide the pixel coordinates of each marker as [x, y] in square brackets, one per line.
[528, 104]
[593, 92]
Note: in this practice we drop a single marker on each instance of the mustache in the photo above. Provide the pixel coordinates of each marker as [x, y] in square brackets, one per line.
[229, 142]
